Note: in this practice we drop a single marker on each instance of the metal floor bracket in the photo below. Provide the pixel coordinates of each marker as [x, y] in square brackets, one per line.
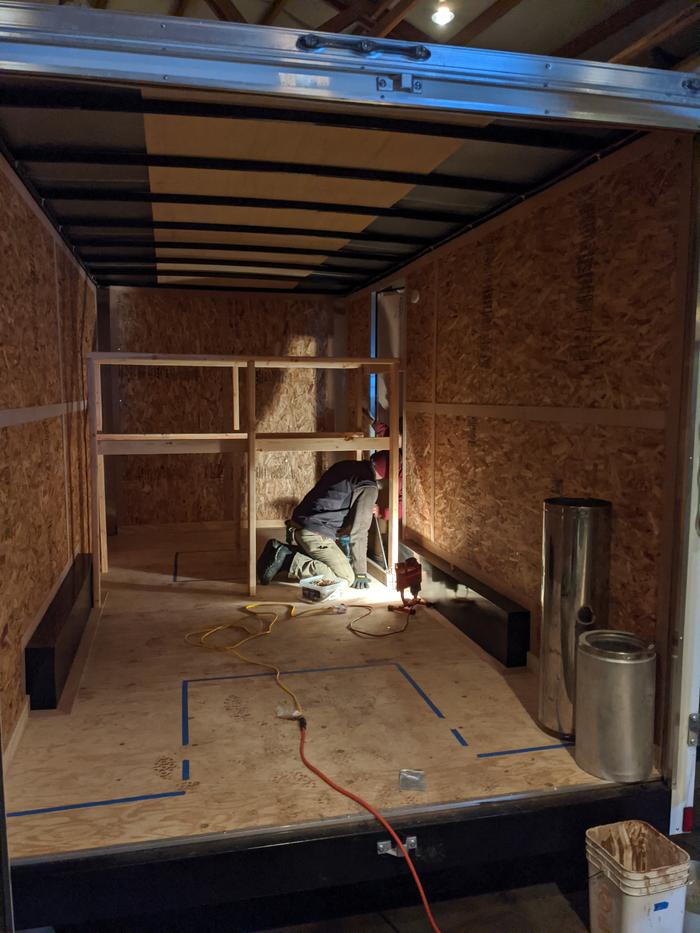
[386, 847]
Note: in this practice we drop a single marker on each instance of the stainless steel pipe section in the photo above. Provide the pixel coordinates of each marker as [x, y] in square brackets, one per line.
[575, 576]
[615, 684]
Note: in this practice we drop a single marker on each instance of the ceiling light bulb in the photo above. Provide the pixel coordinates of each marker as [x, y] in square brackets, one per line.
[443, 15]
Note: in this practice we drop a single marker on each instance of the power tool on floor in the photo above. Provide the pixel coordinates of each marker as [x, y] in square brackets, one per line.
[409, 576]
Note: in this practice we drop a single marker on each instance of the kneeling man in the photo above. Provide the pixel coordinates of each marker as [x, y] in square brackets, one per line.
[344, 498]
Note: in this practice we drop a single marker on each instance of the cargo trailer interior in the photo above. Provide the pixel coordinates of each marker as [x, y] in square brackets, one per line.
[186, 211]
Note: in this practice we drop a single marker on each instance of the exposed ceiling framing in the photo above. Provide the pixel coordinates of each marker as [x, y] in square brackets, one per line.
[218, 192]
[211, 194]
[638, 31]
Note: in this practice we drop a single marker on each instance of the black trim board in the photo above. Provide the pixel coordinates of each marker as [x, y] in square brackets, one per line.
[496, 623]
[209, 873]
[51, 650]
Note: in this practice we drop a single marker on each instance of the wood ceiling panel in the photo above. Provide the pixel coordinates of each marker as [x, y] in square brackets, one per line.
[245, 270]
[308, 188]
[248, 239]
[272, 284]
[258, 216]
[290, 142]
[187, 255]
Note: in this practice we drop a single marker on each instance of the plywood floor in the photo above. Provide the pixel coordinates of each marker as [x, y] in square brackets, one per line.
[165, 740]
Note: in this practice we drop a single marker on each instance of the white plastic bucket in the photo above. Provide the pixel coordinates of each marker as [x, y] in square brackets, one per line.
[637, 879]
[613, 911]
[692, 901]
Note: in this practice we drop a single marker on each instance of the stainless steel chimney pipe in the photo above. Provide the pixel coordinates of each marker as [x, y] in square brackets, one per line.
[575, 576]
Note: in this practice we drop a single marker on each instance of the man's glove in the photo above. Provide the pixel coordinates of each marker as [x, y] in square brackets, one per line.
[361, 582]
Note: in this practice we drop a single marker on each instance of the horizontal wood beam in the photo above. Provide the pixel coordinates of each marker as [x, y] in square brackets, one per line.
[226, 11]
[483, 21]
[606, 28]
[666, 30]
[635, 418]
[346, 17]
[271, 362]
[387, 22]
[272, 12]
[155, 444]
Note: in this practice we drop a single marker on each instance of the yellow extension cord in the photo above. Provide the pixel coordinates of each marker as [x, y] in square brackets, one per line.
[292, 613]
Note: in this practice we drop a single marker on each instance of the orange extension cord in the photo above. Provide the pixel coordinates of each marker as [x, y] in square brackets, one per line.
[375, 813]
[297, 715]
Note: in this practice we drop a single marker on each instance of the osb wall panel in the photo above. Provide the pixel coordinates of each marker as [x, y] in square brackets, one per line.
[194, 488]
[29, 357]
[554, 307]
[418, 440]
[571, 301]
[358, 344]
[358, 318]
[47, 319]
[493, 476]
[77, 319]
[34, 543]
[77, 314]
[420, 308]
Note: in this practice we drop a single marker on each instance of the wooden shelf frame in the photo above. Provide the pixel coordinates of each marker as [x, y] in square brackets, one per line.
[238, 442]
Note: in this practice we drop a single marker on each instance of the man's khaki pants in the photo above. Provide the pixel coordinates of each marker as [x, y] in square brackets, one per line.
[321, 557]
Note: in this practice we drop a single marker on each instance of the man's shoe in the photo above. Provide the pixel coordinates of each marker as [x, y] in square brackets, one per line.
[275, 557]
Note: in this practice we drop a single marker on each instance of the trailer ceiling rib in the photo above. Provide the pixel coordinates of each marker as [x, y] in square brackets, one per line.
[209, 187]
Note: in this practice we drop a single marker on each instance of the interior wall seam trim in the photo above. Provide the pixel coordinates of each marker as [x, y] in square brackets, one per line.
[13, 417]
[653, 419]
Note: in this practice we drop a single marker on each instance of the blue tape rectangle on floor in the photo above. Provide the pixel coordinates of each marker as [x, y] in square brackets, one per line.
[460, 738]
[521, 751]
[306, 670]
[98, 803]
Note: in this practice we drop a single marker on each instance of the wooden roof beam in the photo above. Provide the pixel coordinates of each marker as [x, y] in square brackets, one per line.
[346, 16]
[359, 11]
[483, 22]
[272, 12]
[385, 22]
[225, 10]
[670, 27]
[606, 28]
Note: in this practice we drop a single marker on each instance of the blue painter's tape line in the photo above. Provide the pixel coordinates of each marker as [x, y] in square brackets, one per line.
[301, 670]
[306, 670]
[661, 905]
[98, 803]
[521, 751]
[460, 738]
[185, 714]
[185, 769]
[420, 691]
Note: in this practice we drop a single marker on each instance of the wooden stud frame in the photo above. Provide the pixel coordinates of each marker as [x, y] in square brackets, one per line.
[237, 442]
